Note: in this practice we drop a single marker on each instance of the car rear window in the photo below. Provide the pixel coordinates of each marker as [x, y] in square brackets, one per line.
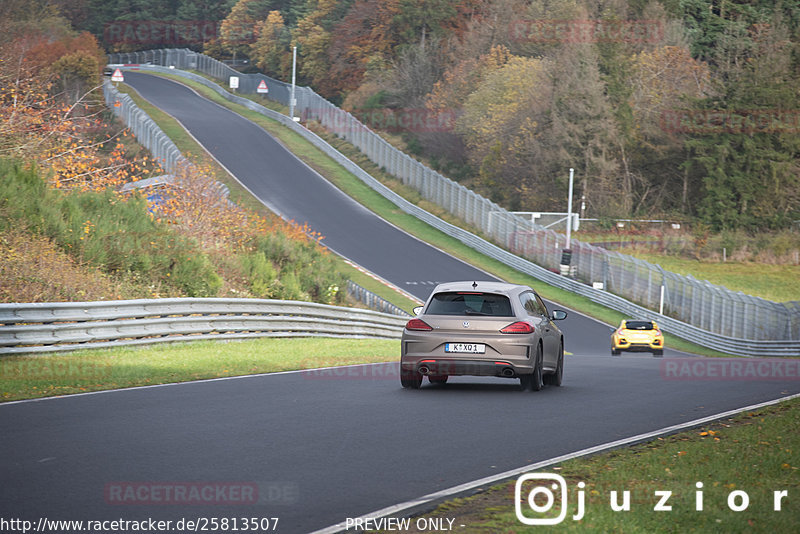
[638, 325]
[463, 303]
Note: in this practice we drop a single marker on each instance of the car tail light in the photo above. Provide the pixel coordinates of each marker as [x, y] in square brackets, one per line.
[418, 324]
[520, 327]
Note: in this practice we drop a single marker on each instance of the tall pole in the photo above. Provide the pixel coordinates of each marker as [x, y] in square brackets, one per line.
[294, 71]
[569, 208]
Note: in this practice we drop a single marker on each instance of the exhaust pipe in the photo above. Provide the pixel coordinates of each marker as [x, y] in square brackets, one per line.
[508, 372]
[424, 370]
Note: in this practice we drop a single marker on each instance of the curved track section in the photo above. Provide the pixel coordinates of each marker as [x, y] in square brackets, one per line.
[289, 187]
[295, 191]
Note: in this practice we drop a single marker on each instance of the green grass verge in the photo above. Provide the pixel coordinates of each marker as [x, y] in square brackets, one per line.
[754, 452]
[354, 187]
[26, 377]
[769, 281]
[763, 265]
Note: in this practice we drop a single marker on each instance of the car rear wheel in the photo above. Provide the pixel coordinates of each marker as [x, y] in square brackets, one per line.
[410, 379]
[438, 379]
[537, 380]
[554, 379]
[658, 352]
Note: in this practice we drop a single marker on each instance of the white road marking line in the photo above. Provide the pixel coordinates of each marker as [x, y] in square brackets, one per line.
[450, 492]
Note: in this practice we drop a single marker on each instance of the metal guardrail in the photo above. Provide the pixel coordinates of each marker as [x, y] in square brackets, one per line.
[64, 326]
[373, 301]
[152, 137]
[701, 336]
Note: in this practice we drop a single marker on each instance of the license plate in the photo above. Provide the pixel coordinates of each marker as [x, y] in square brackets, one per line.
[470, 348]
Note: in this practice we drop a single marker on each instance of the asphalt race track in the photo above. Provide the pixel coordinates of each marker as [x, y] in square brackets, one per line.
[297, 192]
[313, 448]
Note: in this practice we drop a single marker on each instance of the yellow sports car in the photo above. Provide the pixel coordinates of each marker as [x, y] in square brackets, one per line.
[636, 335]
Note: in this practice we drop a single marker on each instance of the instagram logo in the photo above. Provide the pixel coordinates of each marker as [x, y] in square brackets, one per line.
[541, 499]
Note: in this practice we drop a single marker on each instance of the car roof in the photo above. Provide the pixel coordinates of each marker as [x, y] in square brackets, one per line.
[474, 285]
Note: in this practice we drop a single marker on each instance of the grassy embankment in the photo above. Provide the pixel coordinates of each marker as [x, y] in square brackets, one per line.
[776, 282]
[766, 266]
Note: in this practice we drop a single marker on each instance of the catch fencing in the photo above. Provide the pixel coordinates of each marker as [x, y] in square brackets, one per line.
[700, 306]
[64, 326]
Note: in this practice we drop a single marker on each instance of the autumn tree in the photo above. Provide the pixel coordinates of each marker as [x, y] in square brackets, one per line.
[746, 149]
[584, 134]
[531, 120]
[362, 41]
[501, 124]
[312, 38]
[238, 31]
[462, 78]
[417, 20]
[50, 105]
[271, 52]
[662, 83]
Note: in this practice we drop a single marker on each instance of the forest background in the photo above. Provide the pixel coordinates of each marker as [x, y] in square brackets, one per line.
[684, 109]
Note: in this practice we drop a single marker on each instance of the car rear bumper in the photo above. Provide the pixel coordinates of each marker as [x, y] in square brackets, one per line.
[457, 367]
[642, 347]
[505, 355]
[625, 344]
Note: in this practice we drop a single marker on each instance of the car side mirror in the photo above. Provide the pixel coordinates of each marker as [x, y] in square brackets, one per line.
[558, 315]
[418, 309]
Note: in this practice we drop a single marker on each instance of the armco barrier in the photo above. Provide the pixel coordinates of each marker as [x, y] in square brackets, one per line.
[713, 340]
[373, 301]
[63, 326]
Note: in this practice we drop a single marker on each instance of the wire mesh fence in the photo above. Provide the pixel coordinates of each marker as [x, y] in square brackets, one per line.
[707, 306]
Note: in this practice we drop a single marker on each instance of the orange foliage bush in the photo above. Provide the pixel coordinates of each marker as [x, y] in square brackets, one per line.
[194, 202]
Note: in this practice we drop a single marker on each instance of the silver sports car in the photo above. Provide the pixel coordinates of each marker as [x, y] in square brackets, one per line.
[483, 329]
